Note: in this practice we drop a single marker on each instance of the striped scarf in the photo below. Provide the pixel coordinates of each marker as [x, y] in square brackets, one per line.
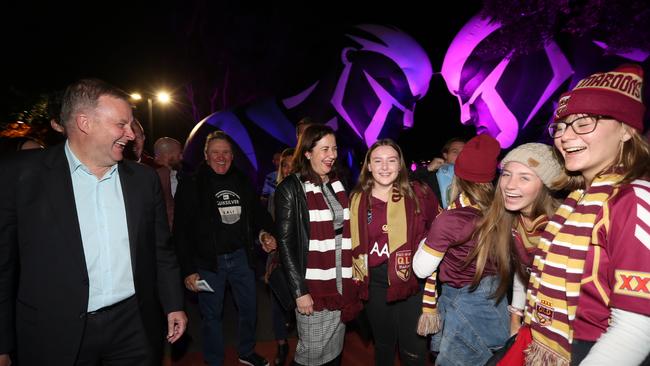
[402, 229]
[554, 285]
[320, 273]
[429, 322]
[527, 239]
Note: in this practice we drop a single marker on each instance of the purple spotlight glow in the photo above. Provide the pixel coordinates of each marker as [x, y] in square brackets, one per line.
[500, 94]
[398, 92]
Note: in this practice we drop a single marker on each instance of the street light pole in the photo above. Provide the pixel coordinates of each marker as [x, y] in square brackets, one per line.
[150, 106]
[162, 97]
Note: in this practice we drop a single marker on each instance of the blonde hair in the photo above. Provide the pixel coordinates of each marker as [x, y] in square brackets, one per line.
[480, 193]
[401, 184]
[494, 240]
[287, 154]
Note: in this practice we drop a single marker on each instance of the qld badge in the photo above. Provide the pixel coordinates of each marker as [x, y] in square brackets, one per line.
[403, 264]
[544, 313]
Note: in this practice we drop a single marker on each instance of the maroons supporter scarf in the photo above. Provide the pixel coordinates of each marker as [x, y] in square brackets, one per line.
[554, 285]
[527, 238]
[399, 213]
[429, 322]
[320, 274]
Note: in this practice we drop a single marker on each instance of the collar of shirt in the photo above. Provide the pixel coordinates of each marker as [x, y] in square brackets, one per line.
[74, 163]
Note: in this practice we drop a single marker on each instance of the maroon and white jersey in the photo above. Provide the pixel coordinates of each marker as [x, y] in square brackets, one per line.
[450, 236]
[377, 233]
[617, 267]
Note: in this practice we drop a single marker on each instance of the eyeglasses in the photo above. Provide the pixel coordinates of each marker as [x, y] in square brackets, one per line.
[581, 126]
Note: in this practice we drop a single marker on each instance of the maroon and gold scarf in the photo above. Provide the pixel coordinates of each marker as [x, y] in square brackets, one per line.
[403, 232]
[554, 285]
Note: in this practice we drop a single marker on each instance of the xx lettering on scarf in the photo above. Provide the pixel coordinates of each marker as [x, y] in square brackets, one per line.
[544, 313]
[632, 283]
[403, 264]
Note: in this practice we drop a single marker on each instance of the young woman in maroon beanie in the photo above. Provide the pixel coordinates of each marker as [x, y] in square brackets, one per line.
[589, 291]
[468, 321]
[389, 216]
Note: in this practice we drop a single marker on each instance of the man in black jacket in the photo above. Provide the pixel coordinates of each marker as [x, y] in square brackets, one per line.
[86, 266]
[217, 219]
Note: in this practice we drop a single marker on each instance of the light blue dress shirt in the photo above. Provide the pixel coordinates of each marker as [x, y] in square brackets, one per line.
[445, 176]
[104, 233]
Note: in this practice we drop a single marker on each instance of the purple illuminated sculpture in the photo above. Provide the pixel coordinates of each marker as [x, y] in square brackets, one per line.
[371, 94]
[511, 97]
[501, 94]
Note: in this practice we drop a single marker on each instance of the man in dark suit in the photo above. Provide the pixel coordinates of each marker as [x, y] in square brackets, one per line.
[85, 256]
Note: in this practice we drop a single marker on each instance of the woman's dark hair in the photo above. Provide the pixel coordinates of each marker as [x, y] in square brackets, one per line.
[309, 138]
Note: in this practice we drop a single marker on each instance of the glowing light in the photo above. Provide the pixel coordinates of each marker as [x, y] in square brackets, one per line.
[163, 97]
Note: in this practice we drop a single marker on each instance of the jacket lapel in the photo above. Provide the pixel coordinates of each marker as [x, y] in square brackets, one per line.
[132, 206]
[58, 185]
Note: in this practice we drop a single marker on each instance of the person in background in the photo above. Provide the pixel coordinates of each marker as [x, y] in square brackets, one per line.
[312, 225]
[135, 149]
[278, 313]
[11, 144]
[470, 317]
[216, 221]
[589, 303]
[389, 216]
[445, 173]
[168, 154]
[270, 180]
[302, 125]
[71, 234]
[436, 178]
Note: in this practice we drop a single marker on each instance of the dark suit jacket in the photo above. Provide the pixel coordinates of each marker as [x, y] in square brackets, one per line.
[166, 184]
[43, 276]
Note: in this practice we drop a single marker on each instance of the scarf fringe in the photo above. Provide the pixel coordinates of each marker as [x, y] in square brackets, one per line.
[429, 323]
[328, 301]
[363, 292]
[539, 355]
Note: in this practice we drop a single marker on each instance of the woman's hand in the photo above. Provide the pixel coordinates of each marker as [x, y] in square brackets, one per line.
[515, 324]
[190, 282]
[305, 304]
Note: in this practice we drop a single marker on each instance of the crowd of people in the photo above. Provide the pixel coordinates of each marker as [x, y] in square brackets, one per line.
[539, 256]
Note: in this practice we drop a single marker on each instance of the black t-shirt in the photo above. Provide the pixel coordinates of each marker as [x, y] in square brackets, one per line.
[228, 204]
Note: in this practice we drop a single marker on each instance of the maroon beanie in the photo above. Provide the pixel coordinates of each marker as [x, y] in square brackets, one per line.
[477, 162]
[616, 94]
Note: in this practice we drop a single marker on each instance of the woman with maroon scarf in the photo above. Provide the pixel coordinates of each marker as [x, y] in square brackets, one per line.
[388, 218]
[313, 227]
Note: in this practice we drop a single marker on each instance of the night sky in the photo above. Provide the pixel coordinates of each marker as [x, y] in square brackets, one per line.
[265, 50]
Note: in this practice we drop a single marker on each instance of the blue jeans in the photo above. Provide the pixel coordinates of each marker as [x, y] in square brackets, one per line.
[474, 325]
[232, 267]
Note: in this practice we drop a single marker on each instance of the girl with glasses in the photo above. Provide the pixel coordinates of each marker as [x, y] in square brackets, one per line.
[588, 297]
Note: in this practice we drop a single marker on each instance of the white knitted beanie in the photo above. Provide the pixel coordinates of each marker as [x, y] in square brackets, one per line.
[539, 158]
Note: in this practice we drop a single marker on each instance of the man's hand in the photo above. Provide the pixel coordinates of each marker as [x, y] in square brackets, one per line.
[176, 325]
[268, 242]
[190, 282]
[305, 304]
[435, 164]
[5, 360]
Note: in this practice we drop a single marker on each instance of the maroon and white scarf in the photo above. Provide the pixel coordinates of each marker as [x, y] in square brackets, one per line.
[320, 274]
